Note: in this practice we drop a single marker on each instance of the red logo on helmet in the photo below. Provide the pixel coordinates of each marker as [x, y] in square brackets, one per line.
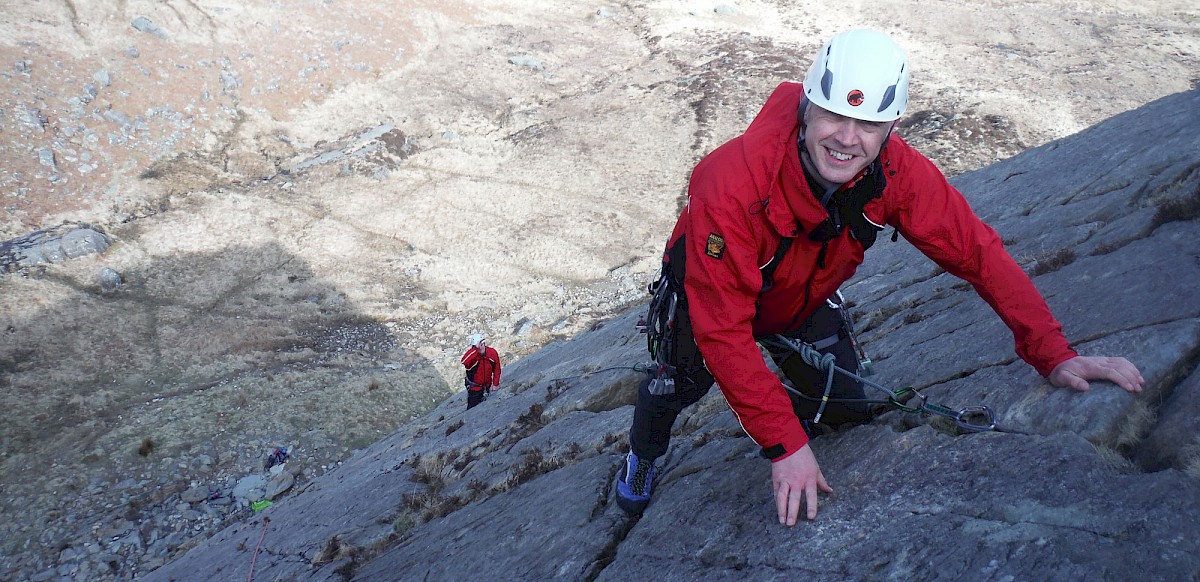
[855, 98]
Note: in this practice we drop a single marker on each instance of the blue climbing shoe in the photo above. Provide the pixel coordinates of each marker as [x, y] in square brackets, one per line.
[633, 483]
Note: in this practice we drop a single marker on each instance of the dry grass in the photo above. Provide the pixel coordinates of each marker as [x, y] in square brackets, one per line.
[463, 461]
[555, 389]
[1115, 459]
[1138, 421]
[1177, 210]
[329, 552]
[1105, 248]
[1053, 262]
[429, 505]
[533, 419]
[532, 465]
[431, 470]
[1191, 459]
[402, 523]
[335, 550]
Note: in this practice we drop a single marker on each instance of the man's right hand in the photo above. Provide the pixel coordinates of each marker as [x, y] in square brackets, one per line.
[794, 478]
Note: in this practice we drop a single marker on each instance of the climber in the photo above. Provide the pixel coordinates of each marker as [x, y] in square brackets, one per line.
[777, 219]
[482, 364]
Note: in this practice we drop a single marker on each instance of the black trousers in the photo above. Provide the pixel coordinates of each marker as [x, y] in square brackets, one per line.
[474, 398]
[654, 415]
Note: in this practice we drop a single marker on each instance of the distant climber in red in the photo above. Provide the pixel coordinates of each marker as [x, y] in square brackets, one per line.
[483, 370]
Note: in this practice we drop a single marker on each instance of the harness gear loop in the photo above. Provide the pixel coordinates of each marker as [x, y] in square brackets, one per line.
[661, 325]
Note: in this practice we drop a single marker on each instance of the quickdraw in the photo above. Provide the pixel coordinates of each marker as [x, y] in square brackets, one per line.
[864, 361]
[971, 418]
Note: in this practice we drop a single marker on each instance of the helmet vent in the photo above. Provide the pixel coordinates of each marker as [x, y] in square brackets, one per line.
[890, 94]
[827, 83]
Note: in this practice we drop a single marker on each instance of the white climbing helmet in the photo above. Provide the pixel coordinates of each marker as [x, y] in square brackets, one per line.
[860, 73]
[476, 339]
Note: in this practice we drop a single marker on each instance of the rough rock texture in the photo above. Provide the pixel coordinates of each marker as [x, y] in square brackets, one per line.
[520, 488]
[51, 245]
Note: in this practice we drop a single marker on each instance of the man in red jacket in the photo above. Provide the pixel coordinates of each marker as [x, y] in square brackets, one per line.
[777, 219]
[483, 370]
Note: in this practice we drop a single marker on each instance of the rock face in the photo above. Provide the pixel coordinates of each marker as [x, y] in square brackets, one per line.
[52, 245]
[1105, 485]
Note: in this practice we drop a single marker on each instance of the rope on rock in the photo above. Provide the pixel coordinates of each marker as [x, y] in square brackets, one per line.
[254, 557]
[971, 418]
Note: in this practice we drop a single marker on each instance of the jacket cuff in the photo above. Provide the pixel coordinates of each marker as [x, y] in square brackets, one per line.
[783, 450]
[1045, 372]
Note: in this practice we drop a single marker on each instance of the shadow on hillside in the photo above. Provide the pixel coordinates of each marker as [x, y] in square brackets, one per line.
[192, 369]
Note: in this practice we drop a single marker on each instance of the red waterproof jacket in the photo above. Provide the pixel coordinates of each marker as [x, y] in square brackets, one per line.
[751, 191]
[487, 373]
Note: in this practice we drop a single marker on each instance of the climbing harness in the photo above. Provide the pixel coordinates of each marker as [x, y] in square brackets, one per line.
[472, 385]
[668, 331]
[662, 333]
[971, 418]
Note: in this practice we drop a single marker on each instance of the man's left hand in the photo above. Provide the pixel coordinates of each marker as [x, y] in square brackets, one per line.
[1075, 373]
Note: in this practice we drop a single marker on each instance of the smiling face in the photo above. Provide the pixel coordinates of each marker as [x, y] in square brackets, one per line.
[839, 146]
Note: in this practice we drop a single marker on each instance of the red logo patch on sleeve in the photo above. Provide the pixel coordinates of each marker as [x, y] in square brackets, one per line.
[715, 247]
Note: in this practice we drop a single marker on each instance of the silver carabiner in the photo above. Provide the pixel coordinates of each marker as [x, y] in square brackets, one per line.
[967, 415]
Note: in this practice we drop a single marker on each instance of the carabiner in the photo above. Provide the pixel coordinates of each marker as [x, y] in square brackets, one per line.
[898, 400]
[967, 414]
